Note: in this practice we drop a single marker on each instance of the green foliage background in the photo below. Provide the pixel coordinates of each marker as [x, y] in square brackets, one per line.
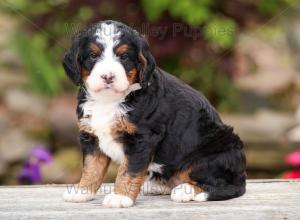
[47, 26]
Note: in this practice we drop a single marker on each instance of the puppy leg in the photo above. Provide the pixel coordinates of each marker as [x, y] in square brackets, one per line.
[185, 189]
[95, 165]
[94, 169]
[127, 187]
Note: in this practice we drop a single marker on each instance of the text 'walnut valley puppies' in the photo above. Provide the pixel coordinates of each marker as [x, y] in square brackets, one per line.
[165, 135]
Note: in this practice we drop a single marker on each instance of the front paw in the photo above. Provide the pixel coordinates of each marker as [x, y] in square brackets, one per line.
[117, 201]
[77, 194]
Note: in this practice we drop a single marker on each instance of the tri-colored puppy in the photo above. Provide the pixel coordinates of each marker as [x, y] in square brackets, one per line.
[165, 135]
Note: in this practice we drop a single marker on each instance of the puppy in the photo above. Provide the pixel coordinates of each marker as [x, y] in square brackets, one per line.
[165, 135]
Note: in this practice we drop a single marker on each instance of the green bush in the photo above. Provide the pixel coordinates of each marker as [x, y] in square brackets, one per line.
[47, 27]
[45, 75]
[219, 29]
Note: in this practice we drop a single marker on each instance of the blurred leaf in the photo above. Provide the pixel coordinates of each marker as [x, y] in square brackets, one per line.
[221, 31]
[154, 8]
[191, 11]
[271, 7]
[13, 4]
[85, 13]
[44, 77]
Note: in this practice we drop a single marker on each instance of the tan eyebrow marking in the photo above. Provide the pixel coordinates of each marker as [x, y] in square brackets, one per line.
[95, 48]
[121, 49]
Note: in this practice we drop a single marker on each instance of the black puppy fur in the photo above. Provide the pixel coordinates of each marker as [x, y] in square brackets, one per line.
[176, 125]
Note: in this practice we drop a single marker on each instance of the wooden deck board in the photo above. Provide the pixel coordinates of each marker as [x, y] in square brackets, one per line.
[265, 199]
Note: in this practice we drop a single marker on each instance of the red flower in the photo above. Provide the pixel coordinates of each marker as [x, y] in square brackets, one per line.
[293, 159]
[293, 174]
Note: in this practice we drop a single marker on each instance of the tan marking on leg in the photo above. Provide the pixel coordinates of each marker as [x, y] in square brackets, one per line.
[197, 189]
[94, 168]
[184, 177]
[128, 184]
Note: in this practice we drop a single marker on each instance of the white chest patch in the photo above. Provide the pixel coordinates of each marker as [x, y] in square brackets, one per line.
[100, 114]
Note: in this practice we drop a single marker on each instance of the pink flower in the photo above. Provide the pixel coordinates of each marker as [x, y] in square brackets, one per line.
[293, 174]
[293, 159]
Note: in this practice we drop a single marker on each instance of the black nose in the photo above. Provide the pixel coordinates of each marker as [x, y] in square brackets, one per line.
[108, 78]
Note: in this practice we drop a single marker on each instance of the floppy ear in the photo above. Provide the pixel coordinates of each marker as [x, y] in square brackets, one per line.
[70, 61]
[146, 61]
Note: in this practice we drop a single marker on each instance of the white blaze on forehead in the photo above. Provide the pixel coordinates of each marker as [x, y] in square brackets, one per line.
[107, 34]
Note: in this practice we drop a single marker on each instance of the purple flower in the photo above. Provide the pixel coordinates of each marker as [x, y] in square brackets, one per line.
[31, 173]
[42, 154]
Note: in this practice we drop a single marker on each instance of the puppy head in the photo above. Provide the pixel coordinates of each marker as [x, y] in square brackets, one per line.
[109, 56]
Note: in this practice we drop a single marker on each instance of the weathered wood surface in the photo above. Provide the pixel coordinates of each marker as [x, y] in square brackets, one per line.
[265, 199]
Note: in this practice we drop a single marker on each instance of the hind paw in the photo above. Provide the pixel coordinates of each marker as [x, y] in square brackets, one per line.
[186, 192]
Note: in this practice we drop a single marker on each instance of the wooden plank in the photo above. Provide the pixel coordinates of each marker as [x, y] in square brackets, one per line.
[265, 199]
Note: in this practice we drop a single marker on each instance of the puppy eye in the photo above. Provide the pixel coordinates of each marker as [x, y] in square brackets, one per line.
[124, 56]
[93, 55]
